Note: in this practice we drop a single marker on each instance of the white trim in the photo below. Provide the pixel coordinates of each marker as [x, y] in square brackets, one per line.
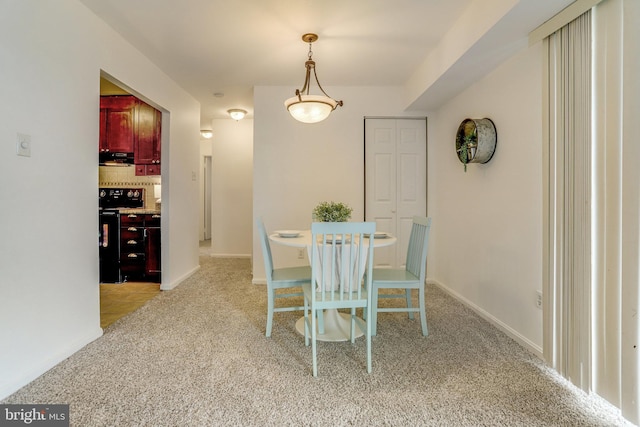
[244, 256]
[561, 19]
[512, 333]
[168, 287]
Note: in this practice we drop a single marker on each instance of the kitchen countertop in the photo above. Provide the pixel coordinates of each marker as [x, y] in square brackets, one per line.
[139, 211]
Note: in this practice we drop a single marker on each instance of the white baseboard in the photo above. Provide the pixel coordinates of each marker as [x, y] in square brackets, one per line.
[169, 286]
[230, 256]
[18, 379]
[519, 338]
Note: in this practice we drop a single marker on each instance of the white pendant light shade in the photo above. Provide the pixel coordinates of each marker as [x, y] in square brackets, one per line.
[307, 108]
[310, 108]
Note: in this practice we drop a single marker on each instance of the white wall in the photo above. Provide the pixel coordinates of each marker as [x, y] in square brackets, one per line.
[298, 165]
[52, 55]
[486, 239]
[231, 149]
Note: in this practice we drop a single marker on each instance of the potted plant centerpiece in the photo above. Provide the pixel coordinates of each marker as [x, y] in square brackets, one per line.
[332, 212]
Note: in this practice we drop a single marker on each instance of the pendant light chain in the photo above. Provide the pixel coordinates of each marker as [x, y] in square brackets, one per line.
[312, 64]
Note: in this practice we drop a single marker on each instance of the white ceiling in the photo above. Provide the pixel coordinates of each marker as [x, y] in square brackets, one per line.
[216, 46]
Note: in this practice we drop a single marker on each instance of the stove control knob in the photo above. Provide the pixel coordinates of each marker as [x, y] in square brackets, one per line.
[103, 193]
[129, 193]
[136, 193]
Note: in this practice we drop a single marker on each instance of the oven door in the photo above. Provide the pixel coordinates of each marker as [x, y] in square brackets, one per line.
[109, 241]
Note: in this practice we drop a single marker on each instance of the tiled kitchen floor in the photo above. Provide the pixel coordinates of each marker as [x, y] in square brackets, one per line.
[119, 299]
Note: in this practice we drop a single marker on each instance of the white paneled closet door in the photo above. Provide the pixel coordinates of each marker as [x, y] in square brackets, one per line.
[395, 180]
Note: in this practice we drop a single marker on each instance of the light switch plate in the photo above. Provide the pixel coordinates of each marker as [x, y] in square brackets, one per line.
[23, 145]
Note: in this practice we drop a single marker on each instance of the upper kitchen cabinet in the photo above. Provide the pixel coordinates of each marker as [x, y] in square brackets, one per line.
[129, 125]
[147, 143]
[117, 123]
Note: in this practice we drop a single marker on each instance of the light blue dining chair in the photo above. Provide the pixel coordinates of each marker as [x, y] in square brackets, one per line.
[411, 277]
[280, 278]
[341, 256]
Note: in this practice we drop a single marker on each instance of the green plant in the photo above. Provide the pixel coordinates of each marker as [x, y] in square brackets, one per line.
[466, 144]
[332, 212]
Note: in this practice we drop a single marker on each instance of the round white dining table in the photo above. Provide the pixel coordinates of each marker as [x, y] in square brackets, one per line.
[337, 326]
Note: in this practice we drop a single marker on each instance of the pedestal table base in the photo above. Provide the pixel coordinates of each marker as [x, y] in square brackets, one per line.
[337, 327]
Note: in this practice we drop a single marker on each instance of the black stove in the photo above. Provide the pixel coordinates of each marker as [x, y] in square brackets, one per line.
[114, 198]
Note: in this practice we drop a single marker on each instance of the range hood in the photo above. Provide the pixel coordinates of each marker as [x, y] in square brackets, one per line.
[116, 159]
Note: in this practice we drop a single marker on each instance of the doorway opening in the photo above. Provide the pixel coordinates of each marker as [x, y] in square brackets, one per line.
[129, 193]
[207, 176]
[206, 182]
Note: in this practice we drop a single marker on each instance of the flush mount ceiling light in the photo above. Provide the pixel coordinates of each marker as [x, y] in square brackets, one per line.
[308, 108]
[206, 133]
[236, 113]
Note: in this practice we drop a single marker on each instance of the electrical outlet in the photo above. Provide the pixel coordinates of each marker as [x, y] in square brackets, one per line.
[301, 253]
[539, 299]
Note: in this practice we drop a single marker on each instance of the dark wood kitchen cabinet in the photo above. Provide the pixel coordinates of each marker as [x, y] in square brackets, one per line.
[148, 169]
[117, 123]
[129, 125]
[152, 248]
[132, 257]
[140, 247]
[147, 143]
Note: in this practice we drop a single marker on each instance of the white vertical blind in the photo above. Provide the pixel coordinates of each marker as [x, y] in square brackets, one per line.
[592, 204]
[617, 203]
[568, 191]
[607, 199]
[630, 333]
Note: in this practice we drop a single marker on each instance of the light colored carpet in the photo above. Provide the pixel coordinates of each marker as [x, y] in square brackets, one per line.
[197, 356]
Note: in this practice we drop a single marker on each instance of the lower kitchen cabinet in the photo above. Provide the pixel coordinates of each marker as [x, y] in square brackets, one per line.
[140, 247]
[152, 248]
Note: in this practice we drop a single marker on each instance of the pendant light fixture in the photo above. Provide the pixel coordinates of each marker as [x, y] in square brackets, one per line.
[308, 108]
